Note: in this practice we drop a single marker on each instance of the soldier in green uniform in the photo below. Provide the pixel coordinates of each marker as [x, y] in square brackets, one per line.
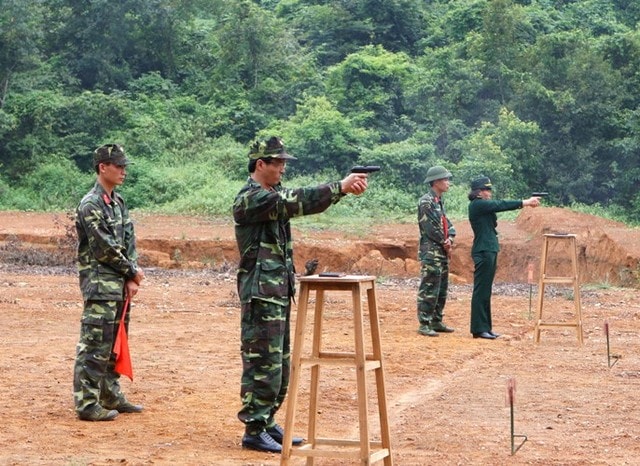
[436, 238]
[261, 211]
[108, 272]
[483, 219]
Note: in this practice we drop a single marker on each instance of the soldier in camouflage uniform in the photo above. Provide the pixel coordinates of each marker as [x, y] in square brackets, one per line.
[261, 211]
[108, 271]
[436, 238]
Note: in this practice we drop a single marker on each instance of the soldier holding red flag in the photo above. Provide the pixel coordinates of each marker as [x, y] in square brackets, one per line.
[109, 273]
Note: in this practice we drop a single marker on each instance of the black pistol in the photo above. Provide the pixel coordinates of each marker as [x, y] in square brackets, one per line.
[365, 169]
[539, 194]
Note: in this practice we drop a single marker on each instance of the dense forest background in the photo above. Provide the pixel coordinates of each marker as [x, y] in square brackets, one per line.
[536, 94]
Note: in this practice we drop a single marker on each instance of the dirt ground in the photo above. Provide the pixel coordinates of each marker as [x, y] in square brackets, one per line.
[447, 396]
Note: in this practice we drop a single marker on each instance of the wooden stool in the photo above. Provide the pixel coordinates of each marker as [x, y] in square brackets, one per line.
[367, 452]
[570, 243]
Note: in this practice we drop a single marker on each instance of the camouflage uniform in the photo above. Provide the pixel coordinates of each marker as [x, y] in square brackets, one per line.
[266, 286]
[432, 292]
[106, 259]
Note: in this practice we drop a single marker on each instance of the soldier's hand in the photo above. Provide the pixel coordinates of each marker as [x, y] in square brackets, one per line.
[531, 202]
[131, 288]
[139, 276]
[355, 183]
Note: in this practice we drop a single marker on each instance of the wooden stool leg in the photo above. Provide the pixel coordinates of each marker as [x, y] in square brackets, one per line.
[294, 379]
[543, 272]
[576, 290]
[385, 432]
[314, 392]
[363, 420]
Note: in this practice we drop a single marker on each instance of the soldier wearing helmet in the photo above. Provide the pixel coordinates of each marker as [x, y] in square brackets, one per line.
[436, 240]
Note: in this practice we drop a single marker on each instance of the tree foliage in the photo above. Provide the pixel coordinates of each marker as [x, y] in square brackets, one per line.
[537, 94]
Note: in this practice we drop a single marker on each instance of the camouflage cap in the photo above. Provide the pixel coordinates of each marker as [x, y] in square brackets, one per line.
[110, 153]
[273, 148]
[482, 182]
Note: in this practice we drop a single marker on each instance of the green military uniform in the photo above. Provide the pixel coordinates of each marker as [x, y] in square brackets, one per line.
[265, 287]
[432, 292]
[483, 219]
[106, 258]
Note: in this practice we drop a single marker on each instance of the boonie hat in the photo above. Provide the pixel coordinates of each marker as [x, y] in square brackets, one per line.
[273, 148]
[482, 182]
[110, 153]
[437, 173]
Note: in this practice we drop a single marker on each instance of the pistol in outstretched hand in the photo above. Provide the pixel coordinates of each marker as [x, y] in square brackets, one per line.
[365, 169]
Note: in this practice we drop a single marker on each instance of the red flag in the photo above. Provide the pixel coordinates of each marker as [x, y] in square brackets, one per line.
[445, 229]
[121, 347]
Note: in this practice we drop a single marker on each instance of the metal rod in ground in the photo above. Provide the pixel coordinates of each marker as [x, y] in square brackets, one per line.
[610, 356]
[530, 280]
[511, 388]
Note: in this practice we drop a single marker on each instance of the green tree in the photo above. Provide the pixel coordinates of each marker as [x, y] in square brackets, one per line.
[105, 44]
[499, 45]
[575, 96]
[442, 96]
[322, 137]
[335, 28]
[484, 156]
[369, 87]
[20, 41]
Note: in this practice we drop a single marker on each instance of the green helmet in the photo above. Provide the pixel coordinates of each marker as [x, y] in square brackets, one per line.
[437, 173]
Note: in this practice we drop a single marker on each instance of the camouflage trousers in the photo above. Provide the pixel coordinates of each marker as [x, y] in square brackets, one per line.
[94, 379]
[266, 362]
[432, 292]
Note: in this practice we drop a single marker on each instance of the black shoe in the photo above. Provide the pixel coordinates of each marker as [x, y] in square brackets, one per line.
[277, 434]
[485, 335]
[261, 442]
[442, 328]
[494, 333]
[125, 407]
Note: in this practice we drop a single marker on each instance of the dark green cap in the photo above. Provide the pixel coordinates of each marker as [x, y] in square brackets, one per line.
[110, 153]
[482, 182]
[273, 148]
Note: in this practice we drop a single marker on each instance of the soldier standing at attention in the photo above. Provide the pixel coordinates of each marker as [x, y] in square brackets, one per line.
[436, 239]
[483, 219]
[108, 273]
[261, 211]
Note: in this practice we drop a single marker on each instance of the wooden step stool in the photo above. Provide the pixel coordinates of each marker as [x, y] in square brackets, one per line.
[570, 243]
[362, 451]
